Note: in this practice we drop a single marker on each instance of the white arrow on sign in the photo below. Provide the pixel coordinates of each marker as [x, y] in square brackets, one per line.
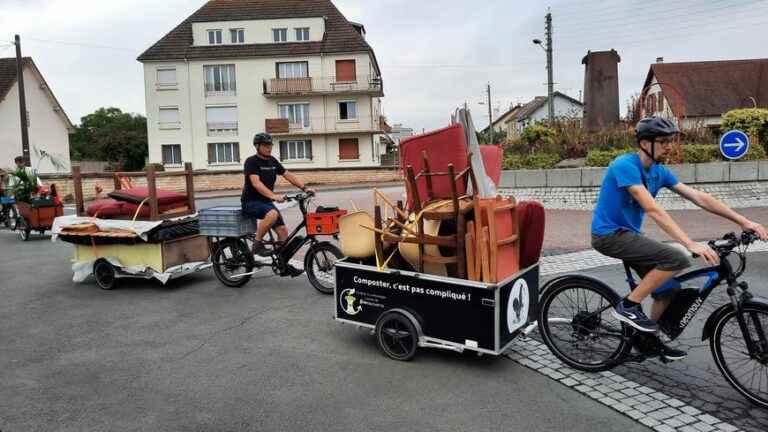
[739, 144]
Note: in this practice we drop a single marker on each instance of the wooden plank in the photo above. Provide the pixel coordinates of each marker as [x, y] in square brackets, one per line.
[78, 185]
[152, 187]
[190, 186]
[485, 264]
[469, 244]
[184, 250]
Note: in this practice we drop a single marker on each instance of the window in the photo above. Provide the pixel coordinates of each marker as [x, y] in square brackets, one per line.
[168, 118]
[348, 149]
[302, 33]
[166, 77]
[348, 110]
[220, 80]
[346, 71]
[221, 121]
[297, 114]
[296, 150]
[293, 70]
[237, 36]
[280, 35]
[214, 37]
[661, 102]
[171, 154]
[222, 153]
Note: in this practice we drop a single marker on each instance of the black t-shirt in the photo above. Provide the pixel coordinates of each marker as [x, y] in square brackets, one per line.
[267, 170]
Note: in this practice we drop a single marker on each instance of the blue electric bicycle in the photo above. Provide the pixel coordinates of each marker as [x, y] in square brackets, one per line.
[576, 324]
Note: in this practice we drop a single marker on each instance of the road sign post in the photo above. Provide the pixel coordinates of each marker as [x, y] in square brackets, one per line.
[734, 144]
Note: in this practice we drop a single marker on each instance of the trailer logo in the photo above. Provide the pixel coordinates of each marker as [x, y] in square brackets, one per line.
[349, 302]
[517, 305]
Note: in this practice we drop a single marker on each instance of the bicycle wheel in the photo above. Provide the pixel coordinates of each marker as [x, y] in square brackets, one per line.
[318, 263]
[232, 262]
[748, 374]
[576, 324]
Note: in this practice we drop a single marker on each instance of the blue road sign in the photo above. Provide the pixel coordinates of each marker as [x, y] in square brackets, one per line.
[734, 144]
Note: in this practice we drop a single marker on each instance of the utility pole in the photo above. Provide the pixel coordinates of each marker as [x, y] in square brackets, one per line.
[22, 103]
[490, 115]
[550, 83]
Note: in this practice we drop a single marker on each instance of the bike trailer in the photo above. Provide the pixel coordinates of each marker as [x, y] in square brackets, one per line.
[407, 310]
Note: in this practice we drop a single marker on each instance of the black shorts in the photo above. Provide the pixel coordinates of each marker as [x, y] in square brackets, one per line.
[641, 253]
[259, 210]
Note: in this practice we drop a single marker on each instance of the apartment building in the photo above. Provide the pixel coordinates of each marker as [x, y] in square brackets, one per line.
[297, 69]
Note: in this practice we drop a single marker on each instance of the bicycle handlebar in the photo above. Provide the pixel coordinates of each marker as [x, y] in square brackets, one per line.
[731, 241]
[301, 196]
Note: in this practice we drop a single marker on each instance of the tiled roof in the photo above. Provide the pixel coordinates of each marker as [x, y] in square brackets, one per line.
[8, 79]
[712, 88]
[528, 109]
[340, 35]
[8, 74]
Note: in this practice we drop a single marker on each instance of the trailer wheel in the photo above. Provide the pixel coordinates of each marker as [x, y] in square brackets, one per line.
[397, 336]
[105, 274]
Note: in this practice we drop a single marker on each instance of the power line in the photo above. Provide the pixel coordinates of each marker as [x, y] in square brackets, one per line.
[688, 16]
[81, 44]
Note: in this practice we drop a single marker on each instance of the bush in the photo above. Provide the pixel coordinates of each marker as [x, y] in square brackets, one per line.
[752, 121]
[532, 161]
[158, 167]
[700, 153]
[602, 158]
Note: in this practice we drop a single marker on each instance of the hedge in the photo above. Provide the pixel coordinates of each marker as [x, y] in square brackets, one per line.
[533, 161]
[692, 153]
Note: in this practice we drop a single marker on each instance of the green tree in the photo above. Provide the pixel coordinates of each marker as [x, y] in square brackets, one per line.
[497, 137]
[111, 135]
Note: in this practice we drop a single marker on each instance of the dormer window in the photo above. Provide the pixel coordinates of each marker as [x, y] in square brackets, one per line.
[280, 35]
[237, 36]
[214, 37]
[302, 34]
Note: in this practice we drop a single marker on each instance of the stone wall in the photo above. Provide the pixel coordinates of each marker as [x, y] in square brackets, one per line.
[224, 180]
[714, 172]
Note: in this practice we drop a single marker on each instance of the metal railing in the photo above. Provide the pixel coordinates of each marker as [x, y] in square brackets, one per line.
[310, 85]
[222, 129]
[330, 124]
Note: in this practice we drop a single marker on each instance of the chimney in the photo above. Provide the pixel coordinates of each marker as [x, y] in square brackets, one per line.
[601, 89]
[659, 59]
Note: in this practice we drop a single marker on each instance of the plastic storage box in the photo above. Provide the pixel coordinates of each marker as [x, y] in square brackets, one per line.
[324, 222]
[225, 222]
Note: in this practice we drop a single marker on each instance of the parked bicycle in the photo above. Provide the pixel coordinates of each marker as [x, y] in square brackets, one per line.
[576, 324]
[234, 260]
[9, 214]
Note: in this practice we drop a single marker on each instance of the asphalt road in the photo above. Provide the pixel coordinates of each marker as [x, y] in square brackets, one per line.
[197, 356]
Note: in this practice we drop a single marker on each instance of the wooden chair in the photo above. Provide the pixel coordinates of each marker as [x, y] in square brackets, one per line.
[496, 227]
[427, 211]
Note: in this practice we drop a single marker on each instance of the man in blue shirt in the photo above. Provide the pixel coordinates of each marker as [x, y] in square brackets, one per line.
[627, 194]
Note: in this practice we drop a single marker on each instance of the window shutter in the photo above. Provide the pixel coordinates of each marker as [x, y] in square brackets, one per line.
[309, 149]
[236, 151]
[661, 101]
[348, 148]
[211, 153]
[283, 150]
[345, 70]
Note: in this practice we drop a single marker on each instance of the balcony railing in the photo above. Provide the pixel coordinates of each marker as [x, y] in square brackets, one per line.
[321, 125]
[222, 129]
[323, 85]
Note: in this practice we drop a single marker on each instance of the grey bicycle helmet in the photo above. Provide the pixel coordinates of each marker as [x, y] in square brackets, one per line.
[262, 138]
[651, 128]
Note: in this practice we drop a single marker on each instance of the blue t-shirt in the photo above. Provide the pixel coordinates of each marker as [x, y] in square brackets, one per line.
[615, 207]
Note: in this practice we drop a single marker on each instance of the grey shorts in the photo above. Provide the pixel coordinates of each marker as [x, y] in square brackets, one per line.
[641, 253]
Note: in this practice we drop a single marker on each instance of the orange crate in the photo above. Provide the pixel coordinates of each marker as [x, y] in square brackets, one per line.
[324, 223]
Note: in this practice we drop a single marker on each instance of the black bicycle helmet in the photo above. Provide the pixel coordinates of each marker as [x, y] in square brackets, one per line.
[651, 128]
[262, 138]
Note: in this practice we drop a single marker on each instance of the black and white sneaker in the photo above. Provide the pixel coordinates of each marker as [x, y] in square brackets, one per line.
[292, 271]
[671, 354]
[635, 317]
[261, 250]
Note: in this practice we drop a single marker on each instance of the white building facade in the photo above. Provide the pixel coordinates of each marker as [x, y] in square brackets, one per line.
[311, 81]
[48, 125]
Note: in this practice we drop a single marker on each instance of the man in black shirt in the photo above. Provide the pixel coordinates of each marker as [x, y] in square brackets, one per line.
[261, 171]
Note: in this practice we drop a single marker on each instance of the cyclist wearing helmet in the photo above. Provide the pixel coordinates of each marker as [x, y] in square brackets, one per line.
[627, 194]
[261, 171]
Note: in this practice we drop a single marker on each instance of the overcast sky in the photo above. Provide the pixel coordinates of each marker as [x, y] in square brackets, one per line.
[434, 54]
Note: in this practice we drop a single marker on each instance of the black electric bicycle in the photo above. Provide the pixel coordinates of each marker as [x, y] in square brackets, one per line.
[576, 324]
[234, 260]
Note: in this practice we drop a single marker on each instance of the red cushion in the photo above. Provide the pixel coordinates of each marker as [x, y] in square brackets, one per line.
[531, 219]
[138, 194]
[129, 209]
[105, 208]
[443, 147]
[492, 157]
